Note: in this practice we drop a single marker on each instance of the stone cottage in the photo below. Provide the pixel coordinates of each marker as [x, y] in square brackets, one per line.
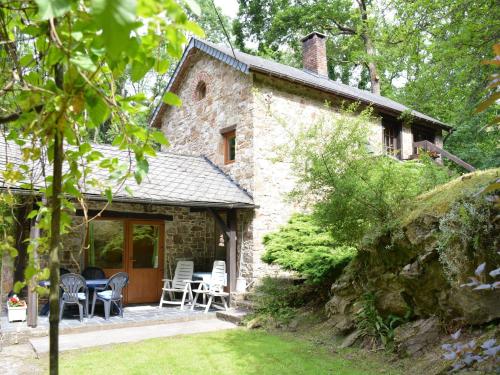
[232, 103]
[218, 189]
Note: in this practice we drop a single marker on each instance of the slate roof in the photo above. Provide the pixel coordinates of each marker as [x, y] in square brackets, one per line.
[173, 179]
[246, 63]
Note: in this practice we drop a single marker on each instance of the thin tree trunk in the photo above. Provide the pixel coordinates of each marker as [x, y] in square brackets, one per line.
[369, 49]
[372, 67]
[55, 238]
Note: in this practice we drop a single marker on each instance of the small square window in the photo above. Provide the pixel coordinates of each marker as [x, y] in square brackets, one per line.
[229, 147]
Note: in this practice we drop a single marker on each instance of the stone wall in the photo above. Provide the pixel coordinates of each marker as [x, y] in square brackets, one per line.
[281, 110]
[195, 127]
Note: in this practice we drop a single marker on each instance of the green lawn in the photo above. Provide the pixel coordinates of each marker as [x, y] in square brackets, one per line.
[233, 352]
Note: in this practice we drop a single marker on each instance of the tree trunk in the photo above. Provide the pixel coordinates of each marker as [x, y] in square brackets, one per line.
[55, 237]
[369, 48]
[372, 67]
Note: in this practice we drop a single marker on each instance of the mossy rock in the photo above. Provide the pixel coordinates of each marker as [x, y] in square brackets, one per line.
[404, 271]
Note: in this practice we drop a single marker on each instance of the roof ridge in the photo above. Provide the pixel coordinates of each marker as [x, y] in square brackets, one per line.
[357, 93]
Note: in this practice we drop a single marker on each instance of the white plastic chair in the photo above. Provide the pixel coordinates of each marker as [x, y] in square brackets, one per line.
[181, 283]
[214, 289]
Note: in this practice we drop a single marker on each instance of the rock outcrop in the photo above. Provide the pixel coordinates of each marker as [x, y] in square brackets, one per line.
[405, 272]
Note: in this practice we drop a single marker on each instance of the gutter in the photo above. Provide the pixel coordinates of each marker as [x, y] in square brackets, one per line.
[149, 201]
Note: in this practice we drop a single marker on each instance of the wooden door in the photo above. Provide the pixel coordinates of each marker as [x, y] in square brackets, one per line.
[144, 260]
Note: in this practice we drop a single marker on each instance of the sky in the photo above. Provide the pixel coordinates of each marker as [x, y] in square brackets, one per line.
[229, 7]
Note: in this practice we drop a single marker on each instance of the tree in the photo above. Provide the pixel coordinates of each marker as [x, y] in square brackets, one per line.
[353, 192]
[153, 83]
[435, 53]
[350, 26]
[425, 54]
[61, 66]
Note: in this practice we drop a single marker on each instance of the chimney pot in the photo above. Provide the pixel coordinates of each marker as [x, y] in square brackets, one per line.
[314, 53]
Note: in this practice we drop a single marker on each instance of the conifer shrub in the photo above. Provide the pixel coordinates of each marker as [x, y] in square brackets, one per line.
[308, 249]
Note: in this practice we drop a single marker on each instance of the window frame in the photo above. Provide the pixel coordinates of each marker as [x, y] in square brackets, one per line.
[227, 137]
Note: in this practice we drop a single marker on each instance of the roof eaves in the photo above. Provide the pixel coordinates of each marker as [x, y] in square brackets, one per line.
[343, 94]
[164, 202]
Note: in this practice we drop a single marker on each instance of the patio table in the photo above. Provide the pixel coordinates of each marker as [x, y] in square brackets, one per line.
[206, 277]
[91, 284]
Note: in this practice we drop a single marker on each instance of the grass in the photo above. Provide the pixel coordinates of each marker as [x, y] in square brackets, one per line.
[439, 200]
[232, 352]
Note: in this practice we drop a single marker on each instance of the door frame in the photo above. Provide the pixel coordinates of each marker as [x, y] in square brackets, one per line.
[127, 248]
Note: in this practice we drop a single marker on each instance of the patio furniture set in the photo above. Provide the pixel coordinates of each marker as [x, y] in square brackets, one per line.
[186, 282]
[92, 284]
[76, 290]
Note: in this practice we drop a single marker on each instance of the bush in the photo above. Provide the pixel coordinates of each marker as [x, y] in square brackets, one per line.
[379, 330]
[278, 299]
[355, 191]
[306, 248]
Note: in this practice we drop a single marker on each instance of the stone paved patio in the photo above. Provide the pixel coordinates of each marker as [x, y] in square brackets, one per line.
[134, 316]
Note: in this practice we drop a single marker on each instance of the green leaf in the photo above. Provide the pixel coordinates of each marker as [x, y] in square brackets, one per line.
[52, 8]
[109, 194]
[162, 65]
[194, 28]
[117, 19]
[129, 191]
[141, 170]
[159, 137]
[83, 62]
[140, 68]
[172, 99]
[97, 108]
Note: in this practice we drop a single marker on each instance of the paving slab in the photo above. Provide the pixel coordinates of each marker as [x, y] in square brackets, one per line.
[19, 360]
[130, 334]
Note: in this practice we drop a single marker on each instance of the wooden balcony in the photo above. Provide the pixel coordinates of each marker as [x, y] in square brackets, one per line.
[438, 151]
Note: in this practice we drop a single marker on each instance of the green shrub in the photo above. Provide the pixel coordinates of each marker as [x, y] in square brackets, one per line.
[278, 299]
[306, 248]
[356, 191]
[373, 326]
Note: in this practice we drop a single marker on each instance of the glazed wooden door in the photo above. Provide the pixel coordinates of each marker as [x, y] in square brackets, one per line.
[144, 261]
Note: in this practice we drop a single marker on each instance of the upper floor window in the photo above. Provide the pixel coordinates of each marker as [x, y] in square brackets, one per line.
[229, 146]
[201, 90]
[392, 137]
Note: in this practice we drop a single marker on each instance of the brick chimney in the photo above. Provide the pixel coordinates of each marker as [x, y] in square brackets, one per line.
[314, 53]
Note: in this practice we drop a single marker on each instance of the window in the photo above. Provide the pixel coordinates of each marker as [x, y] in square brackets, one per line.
[201, 90]
[229, 147]
[392, 141]
[106, 243]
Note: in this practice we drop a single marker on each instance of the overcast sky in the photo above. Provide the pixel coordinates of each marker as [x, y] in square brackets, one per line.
[229, 7]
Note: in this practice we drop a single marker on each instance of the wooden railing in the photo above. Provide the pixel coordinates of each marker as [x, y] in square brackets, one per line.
[431, 147]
